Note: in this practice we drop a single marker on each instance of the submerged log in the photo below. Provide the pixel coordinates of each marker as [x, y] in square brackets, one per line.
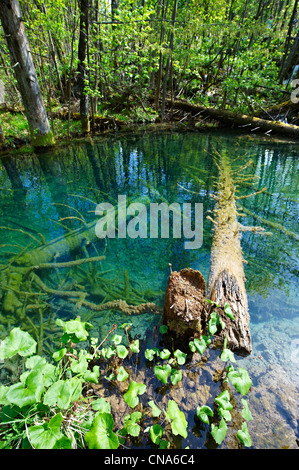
[186, 310]
[226, 281]
[230, 119]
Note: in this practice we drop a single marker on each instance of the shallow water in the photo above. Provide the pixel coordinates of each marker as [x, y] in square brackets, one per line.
[44, 196]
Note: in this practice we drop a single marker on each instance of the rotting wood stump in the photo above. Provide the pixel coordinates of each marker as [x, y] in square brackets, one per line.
[184, 306]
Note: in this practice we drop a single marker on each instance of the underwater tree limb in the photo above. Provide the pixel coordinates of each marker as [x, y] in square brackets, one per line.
[274, 225]
[69, 264]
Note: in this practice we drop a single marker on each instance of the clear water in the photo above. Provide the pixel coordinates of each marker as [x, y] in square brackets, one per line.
[44, 196]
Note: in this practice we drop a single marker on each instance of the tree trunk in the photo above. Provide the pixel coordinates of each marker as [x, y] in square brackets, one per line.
[85, 126]
[22, 64]
[2, 137]
[239, 121]
[226, 281]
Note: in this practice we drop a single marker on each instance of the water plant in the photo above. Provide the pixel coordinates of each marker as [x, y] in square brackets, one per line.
[50, 406]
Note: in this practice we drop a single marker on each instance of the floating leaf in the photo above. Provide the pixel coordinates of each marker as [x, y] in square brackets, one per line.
[101, 435]
[156, 432]
[219, 432]
[149, 354]
[131, 396]
[243, 435]
[203, 413]
[18, 342]
[240, 380]
[162, 372]
[177, 418]
[155, 410]
[246, 413]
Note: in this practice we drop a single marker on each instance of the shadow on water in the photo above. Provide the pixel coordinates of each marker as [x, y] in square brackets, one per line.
[47, 196]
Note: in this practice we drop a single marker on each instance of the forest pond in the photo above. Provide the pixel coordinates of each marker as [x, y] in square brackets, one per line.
[45, 196]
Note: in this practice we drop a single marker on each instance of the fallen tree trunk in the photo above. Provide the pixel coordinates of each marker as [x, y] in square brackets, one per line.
[230, 119]
[226, 281]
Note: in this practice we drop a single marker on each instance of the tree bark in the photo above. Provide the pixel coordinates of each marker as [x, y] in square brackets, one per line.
[23, 66]
[85, 126]
[226, 281]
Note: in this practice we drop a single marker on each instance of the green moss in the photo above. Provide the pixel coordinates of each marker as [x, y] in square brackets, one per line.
[45, 140]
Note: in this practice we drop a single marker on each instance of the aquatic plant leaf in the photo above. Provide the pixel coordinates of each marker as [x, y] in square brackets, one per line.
[116, 339]
[131, 396]
[240, 380]
[58, 355]
[92, 376]
[163, 329]
[156, 432]
[164, 444]
[213, 323]
[122, 374]
[223, 400]
[27, 392]
[175, 376]
[224, 413]
[246, 413]
[227, 355]
[180, 356]
[203, 413]
[219, 432]
[155, 410]
[101, 435]
[130, 424]
[122, 351]
[177, 419]
[199, 345]
[149, 353]
[243, 435]
[162, 372]
[45, 436]
[228, 311]
[74, 330]
[40, 364]
[134, 346]
[63, 393]
[165, 354]
[101, 405]
[18, 342]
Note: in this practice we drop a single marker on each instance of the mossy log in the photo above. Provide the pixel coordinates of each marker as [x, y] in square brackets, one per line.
[240, 121]
[226, 281]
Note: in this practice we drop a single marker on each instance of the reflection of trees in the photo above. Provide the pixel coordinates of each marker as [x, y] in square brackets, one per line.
[272, 260]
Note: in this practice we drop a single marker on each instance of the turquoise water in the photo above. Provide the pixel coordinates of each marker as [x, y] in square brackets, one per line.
[45, 196]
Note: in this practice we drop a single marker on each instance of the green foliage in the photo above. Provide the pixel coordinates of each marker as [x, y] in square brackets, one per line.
[38, 410]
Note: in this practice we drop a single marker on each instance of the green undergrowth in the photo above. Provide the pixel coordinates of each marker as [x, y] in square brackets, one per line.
[54, 404]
